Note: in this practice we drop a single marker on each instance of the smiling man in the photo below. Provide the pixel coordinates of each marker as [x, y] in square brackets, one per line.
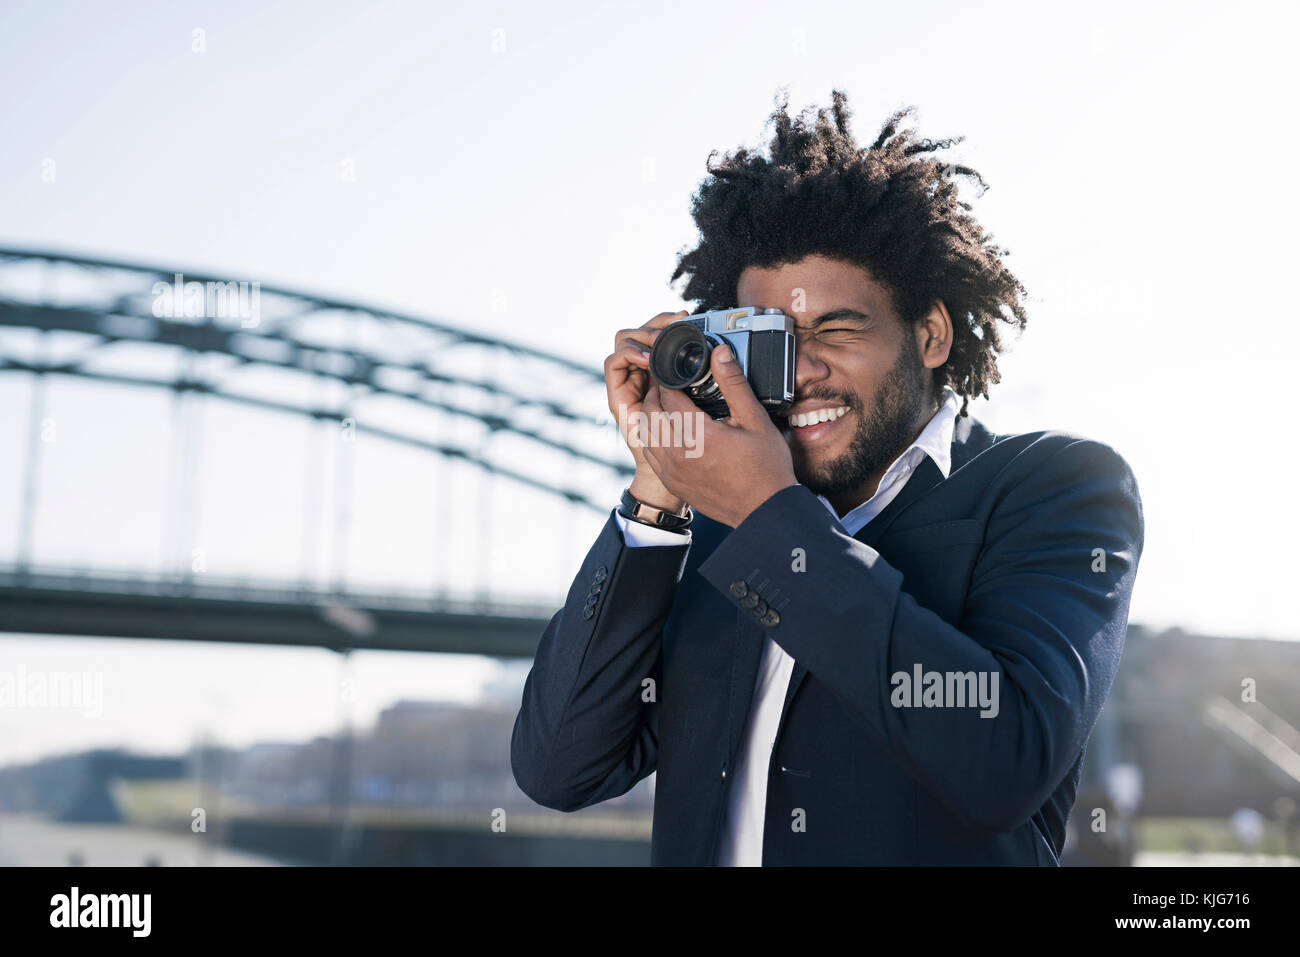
[868, 630]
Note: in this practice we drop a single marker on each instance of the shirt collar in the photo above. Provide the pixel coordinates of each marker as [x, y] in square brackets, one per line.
[936, 438]
[935, 441]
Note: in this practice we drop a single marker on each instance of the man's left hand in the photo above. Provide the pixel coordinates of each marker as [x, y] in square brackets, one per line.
[738, 463]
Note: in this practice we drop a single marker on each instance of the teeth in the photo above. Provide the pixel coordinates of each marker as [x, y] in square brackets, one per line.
[820, 415]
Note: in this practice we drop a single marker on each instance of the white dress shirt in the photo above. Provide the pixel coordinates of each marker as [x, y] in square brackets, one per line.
[741, 841]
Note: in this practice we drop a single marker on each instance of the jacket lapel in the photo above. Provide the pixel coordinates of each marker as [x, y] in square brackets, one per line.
[969, 439]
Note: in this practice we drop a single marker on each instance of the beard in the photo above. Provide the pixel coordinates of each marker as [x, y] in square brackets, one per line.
[882, 433]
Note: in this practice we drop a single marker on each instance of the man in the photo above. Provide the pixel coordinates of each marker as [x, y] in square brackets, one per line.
[886, 634]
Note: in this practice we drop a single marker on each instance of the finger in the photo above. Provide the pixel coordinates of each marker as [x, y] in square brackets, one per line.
[652, 404]
[661, 320]
[745, 408]
[617, 366]
[624, 377]
[646, 334]
[631, 359]
[634, 353]
[675, 400]
[642, 337]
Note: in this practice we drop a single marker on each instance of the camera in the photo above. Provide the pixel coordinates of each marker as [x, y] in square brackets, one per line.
[762, 339]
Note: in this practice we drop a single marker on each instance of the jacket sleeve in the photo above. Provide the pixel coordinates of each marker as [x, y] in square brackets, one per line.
[1041, 617]
[588, 726]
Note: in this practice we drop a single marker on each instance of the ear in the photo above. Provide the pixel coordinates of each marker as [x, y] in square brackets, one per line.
[934, 336]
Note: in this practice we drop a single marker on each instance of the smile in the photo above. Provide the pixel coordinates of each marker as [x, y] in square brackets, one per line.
[815, 417]
[811, 428]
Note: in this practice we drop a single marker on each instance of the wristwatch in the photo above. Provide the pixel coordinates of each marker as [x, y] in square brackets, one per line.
[656, 517]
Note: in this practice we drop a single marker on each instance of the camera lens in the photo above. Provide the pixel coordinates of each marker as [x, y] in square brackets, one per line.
[688, 361]
[679, 359]
[680, 355]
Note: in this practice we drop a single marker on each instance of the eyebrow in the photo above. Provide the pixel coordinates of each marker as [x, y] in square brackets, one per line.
[838, 314]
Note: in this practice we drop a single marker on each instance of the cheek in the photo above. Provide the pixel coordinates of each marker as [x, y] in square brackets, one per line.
[857, 378]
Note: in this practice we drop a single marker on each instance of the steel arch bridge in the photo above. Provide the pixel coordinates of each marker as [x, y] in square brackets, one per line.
[504, 407]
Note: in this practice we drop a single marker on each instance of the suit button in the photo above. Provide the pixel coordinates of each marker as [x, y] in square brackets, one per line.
[771, 619]
[593, 591]
[724, 774]
[739, 589]
[587, 612]
[601, 574]
[750, 601]
[760, 609]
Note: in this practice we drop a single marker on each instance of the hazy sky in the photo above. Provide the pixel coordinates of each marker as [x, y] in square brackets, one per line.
[542, 157]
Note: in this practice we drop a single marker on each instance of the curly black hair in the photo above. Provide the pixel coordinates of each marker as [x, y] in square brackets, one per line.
[891, 207]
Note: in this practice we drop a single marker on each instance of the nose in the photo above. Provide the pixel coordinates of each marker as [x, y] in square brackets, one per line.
[809, 367]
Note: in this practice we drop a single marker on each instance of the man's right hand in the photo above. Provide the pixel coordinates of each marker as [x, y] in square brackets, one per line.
[627, 376]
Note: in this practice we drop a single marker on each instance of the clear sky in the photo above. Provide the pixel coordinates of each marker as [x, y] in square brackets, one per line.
[543, 156]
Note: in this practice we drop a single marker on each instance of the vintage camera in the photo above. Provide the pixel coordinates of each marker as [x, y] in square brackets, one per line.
[762, 339]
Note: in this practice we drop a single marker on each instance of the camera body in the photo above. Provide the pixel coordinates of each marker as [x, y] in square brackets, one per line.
[762, 339]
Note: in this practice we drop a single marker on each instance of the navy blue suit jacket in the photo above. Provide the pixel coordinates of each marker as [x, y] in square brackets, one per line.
[1020, 563]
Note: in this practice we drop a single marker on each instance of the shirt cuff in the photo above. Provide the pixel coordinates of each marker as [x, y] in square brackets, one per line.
[640, 535]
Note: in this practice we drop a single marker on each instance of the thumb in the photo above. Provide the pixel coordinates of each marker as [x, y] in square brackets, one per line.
[745, 408]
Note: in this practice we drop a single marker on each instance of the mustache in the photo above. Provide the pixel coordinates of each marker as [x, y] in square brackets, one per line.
[827, 395]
